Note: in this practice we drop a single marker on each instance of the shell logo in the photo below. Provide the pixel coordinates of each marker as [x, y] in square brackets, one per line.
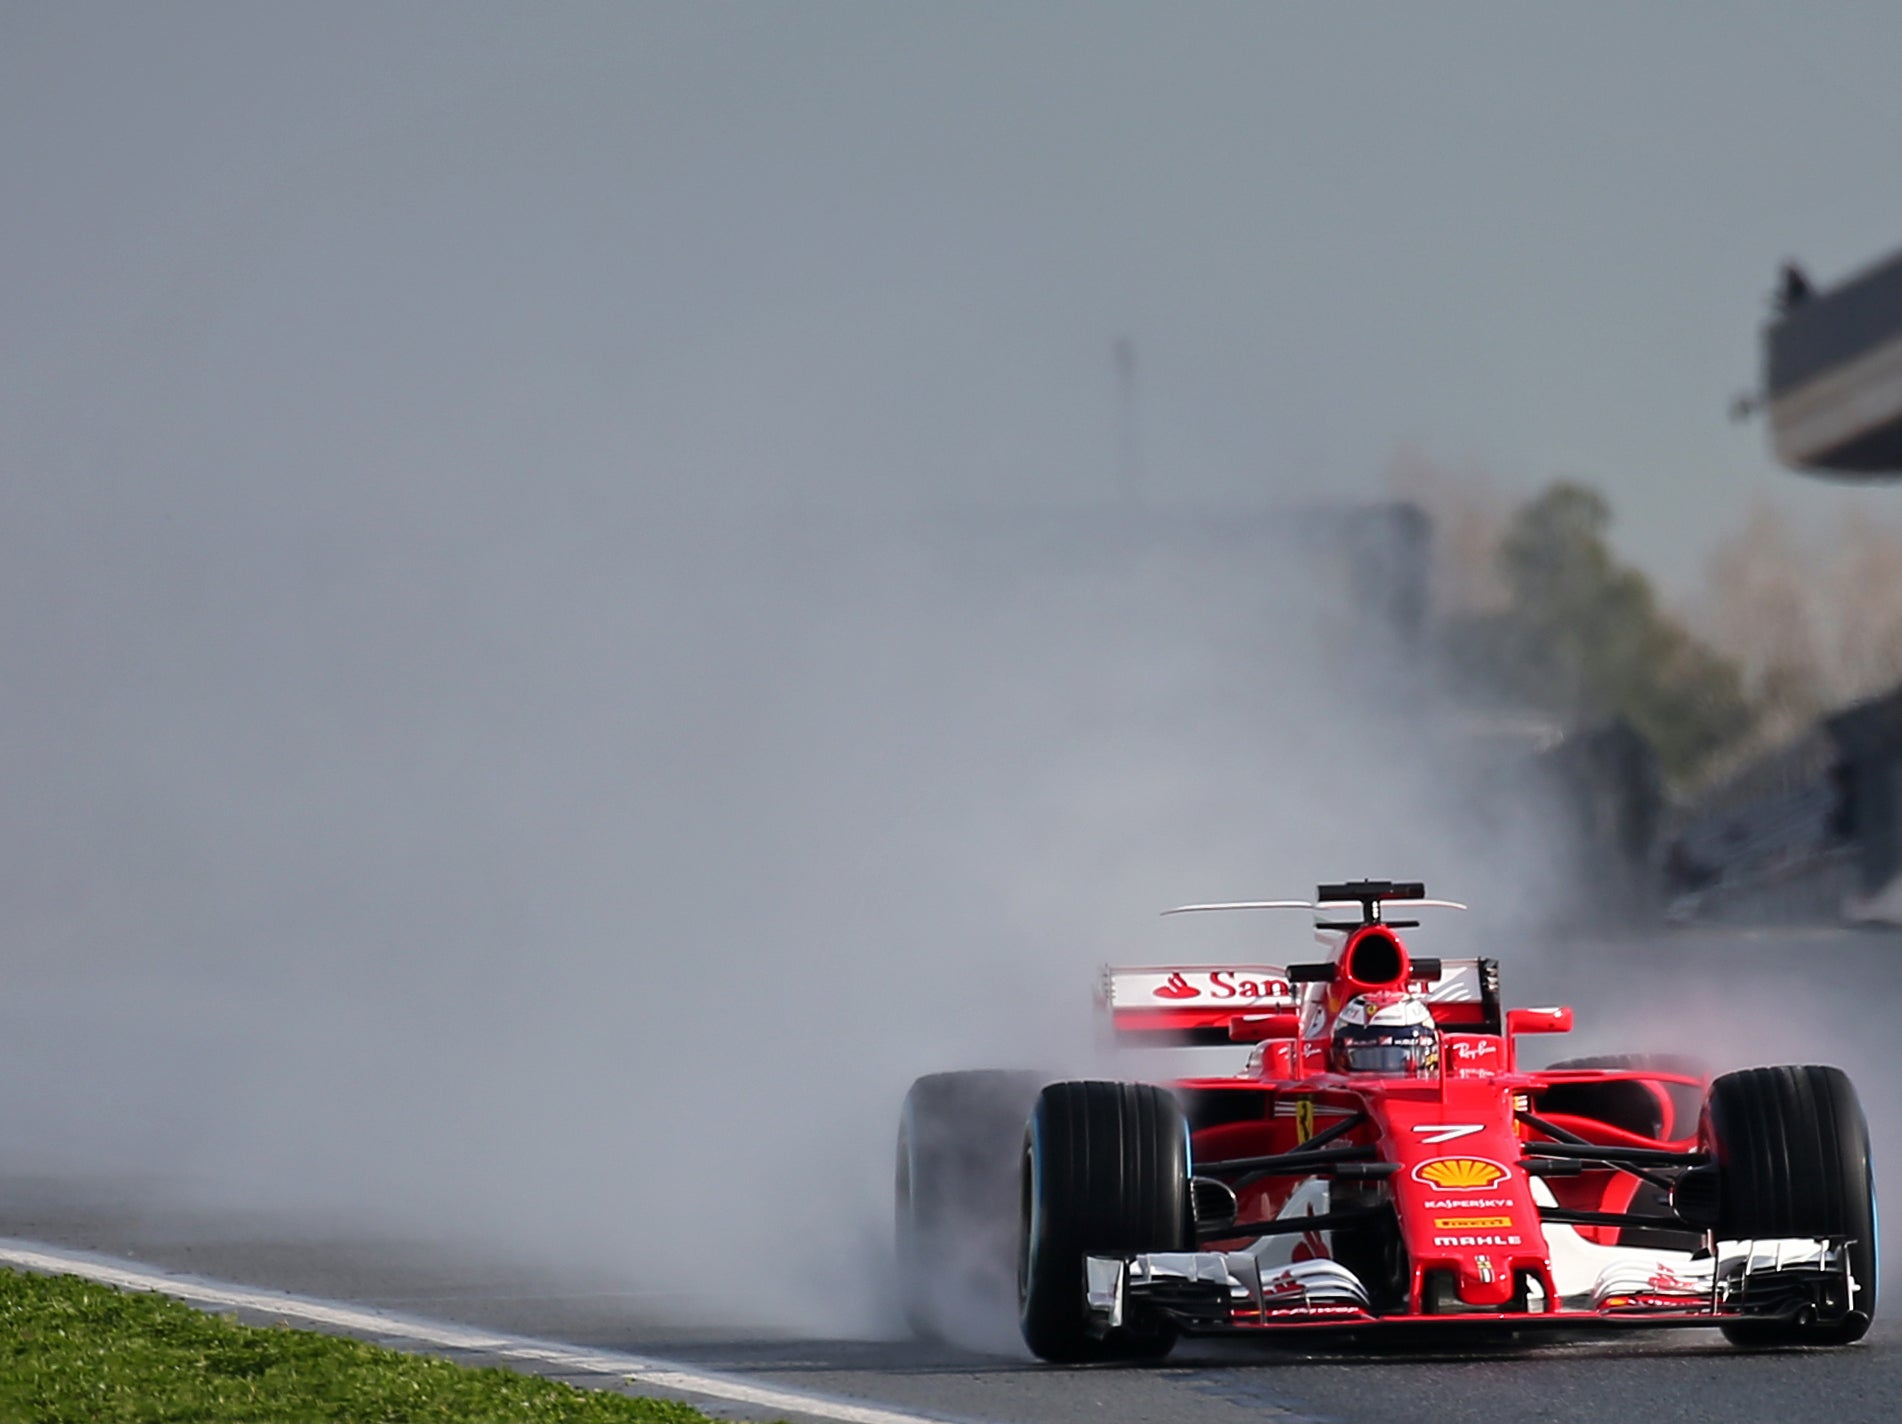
[1463, 1173]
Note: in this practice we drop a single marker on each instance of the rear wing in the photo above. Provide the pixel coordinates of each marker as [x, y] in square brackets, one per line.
[1216, 1005]
[1190, 1005]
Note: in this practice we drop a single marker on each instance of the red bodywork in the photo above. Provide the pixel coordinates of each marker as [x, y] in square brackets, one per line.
[1445, 1153]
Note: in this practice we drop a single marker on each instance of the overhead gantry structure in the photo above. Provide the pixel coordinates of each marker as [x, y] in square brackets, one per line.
[1832, 373]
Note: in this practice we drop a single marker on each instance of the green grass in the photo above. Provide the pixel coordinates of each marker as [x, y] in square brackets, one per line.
[76, 1351]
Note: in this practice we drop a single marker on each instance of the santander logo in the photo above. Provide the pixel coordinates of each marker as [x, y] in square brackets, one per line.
[1236, 986]
[1176, 988]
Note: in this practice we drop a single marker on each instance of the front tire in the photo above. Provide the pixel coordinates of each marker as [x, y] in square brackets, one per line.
[1793, 1161]
[1106, 1171]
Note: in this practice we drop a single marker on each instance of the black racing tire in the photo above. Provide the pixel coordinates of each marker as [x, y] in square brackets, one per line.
[1105, 1171]
[1630, 1107]
[955, 1196]
[1793, 1161]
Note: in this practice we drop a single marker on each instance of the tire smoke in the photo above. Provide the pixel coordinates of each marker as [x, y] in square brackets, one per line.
[596, 897]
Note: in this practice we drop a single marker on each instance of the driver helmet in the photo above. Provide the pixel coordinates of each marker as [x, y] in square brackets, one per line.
[1390, 1033]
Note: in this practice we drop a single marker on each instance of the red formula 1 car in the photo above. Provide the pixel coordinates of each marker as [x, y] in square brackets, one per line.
[1383, 1161]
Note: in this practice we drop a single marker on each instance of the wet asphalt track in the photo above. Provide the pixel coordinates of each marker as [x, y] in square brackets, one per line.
[1845, 986]
[1677, 1376]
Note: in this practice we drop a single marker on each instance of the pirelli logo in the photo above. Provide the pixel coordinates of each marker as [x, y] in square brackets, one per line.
[1475, 1221]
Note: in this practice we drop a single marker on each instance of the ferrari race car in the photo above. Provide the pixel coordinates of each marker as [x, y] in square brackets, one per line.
[1382, 1161]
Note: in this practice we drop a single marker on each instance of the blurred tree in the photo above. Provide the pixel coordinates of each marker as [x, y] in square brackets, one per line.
[1582, 637]
[1867, 593]
[1761, 610]
[1813, 619]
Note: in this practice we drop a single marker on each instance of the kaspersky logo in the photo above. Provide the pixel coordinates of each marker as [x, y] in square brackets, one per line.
[1466, 1172]
[1176, 988]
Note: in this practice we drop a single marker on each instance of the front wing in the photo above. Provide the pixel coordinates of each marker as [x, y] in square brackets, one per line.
[1783, 1280]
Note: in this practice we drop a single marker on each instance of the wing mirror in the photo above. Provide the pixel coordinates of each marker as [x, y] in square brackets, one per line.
[1276, 1025]
[1538, 1020]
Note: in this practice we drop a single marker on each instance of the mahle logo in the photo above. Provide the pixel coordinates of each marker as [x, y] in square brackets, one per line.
[1463, 1173]
[1469, 1241]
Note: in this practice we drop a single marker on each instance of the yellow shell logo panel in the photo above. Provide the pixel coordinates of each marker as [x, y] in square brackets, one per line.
[1463, 1173]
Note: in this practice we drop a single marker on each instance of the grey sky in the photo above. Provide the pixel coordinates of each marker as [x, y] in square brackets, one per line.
[719, 254]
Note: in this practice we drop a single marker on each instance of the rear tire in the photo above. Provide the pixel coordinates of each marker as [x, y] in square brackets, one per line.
[955, 1195]
[1105, 1171]
[1793, 1161]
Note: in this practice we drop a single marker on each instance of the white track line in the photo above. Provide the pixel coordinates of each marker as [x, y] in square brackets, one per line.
[667, 1377]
